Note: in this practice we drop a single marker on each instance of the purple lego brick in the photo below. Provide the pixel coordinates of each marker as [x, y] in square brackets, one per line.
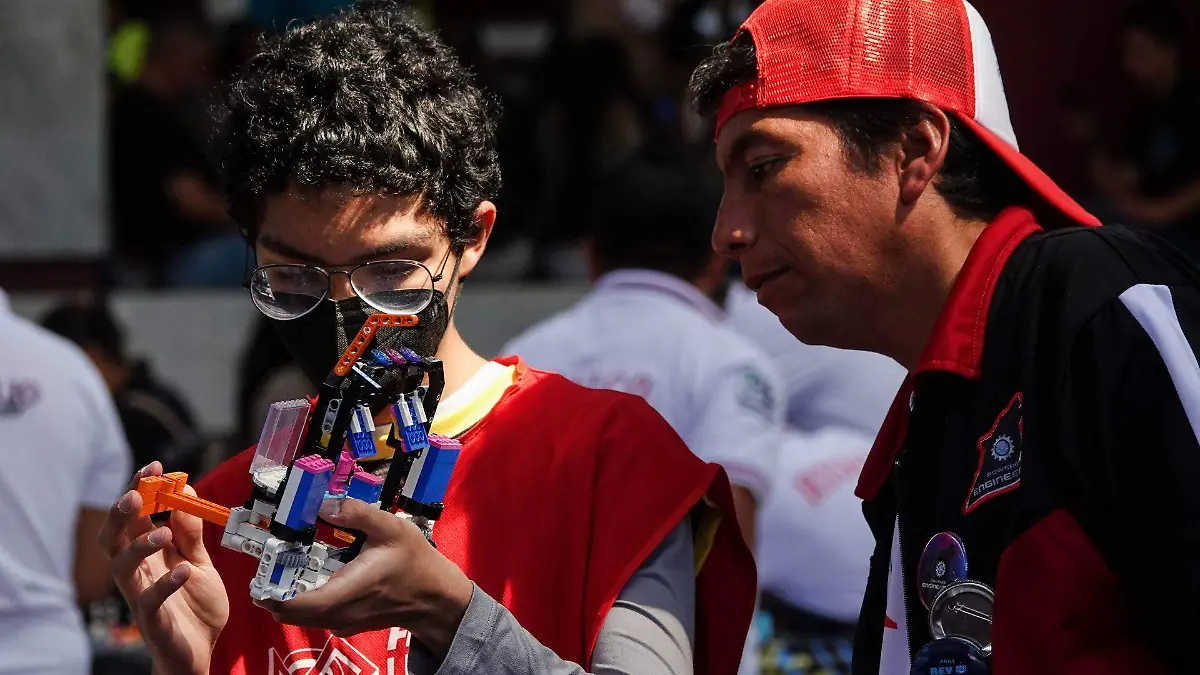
[314, 464]
[396, 357]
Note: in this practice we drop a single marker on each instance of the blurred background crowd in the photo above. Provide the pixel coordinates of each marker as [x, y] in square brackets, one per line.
[113, 232]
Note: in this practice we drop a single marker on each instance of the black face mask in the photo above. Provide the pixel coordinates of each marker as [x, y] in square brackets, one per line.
[317, 340]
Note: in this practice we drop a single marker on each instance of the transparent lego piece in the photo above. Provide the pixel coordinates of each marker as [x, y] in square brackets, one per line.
[282, 434]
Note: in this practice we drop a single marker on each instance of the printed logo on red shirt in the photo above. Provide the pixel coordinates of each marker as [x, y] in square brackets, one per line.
[340, 657]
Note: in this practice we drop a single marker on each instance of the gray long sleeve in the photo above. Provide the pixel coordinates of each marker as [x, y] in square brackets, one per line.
[649, 630]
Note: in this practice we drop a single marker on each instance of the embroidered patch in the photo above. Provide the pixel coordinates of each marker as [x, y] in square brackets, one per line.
[999, 468]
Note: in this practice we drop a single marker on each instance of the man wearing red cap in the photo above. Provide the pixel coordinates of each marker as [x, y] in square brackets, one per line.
[1032, 491]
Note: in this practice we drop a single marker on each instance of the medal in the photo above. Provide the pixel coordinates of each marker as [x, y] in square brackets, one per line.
[949, 656]
[943, 562]
[964, 609]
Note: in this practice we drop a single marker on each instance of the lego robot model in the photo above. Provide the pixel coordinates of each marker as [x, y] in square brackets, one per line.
[310, 452]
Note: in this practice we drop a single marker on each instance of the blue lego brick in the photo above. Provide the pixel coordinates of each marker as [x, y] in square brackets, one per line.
[361, 439]
[380, 358]
[435, 474]
[306, 486]
[277, 572]
[366, 487]
[362, 444]
[417, 409]
[414, 438]
[402, 414]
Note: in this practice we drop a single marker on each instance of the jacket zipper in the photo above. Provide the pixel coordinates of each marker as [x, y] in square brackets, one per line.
[900, 542]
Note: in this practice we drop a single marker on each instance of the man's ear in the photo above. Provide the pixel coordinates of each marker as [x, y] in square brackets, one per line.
[484, 218]
[922, 153]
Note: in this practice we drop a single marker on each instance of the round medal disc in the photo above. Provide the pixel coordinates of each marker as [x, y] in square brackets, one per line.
[964, 609]
[949, 656]
[943, 562]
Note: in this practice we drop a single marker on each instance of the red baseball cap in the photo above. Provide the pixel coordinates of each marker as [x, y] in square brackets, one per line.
[937, 51]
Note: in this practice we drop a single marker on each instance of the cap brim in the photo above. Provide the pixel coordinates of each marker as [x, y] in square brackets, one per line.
[1032, 175]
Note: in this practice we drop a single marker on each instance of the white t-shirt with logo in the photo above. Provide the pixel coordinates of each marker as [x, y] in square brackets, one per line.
[63, 450]
[654, 335]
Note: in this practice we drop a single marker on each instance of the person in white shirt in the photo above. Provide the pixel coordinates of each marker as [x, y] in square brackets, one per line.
[653, 325]
[65, 461]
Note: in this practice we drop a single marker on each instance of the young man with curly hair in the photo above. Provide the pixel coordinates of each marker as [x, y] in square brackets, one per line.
[579, 531]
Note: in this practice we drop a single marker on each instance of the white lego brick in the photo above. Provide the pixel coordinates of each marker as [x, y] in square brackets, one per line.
[257, 592]
[317, 555]
[255, 534]
[237, 516]
[232, 541]
[262, 513]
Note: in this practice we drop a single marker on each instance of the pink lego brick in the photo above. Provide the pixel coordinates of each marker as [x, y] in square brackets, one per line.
[314, 464]
[367, 477]
[444, 442]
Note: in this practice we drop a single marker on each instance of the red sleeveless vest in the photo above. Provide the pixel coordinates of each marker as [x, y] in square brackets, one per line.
[559, 495]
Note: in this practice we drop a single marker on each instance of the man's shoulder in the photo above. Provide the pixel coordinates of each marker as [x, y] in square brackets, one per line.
[1110, 256]
[1078, 271]
[30, 348]
[543, 335]
[28, 340]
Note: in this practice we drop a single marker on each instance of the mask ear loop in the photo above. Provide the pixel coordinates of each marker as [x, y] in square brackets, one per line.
[450, 286]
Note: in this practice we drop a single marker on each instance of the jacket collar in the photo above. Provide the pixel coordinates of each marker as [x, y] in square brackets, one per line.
[956, 343]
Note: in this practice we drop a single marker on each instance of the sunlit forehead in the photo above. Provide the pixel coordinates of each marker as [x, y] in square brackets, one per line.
[333, 229]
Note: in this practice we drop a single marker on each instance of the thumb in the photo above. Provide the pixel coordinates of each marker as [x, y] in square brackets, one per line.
[187, 533]
[355, 514]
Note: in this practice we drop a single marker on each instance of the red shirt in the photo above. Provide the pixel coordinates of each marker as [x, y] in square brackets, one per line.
[559, 495]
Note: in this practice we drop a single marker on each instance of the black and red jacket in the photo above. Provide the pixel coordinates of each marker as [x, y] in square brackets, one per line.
[1079, 346]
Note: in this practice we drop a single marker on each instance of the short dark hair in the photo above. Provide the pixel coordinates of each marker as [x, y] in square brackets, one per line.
[655, 211]
[87, 323]
[362, 100]
[973, 180]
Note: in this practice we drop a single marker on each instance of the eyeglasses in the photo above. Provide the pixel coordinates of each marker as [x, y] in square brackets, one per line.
[289, 291]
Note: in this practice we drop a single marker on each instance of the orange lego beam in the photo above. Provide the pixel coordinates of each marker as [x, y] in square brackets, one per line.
[165, 493]
[366, 334]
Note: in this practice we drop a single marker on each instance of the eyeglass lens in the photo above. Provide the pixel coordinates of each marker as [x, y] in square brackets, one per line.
[290, 291]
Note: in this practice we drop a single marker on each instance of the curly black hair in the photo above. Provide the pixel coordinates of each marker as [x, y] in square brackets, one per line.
[363, 100]
[973, 180]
